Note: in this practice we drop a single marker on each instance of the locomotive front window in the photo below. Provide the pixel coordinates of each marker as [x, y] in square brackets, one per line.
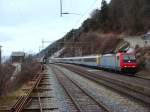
[127, 58]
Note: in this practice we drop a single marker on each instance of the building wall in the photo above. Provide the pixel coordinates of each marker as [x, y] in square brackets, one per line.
[18, 59]
[137, 41]
[148, 64]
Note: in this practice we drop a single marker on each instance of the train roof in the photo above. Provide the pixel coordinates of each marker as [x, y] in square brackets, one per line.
[108, 54]
[79, 57]
[92, 56]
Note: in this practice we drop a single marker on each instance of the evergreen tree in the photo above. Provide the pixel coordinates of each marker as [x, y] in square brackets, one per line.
[104, 12]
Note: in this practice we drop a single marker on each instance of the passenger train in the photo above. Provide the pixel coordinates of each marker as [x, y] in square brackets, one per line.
[121, 61]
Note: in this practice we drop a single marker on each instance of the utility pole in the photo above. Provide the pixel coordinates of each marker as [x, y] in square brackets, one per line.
[43, 42]
[60, 8]
[0, 55]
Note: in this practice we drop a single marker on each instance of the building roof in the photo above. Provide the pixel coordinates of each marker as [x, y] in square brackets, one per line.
[18, 54]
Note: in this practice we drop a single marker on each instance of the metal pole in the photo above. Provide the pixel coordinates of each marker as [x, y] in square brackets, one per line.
[60, 8]
[92, 47]
[42, 43]
[0, 55]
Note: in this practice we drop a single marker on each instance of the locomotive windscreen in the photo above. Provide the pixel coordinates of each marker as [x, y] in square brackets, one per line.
[129, 58]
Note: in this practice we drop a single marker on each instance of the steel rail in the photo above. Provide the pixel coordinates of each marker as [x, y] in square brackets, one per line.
[18, 107]
[39, 99]
[100, 104]
[68, 93]
[26, 98]
[114, 85]
[92, 97]
[40, 104]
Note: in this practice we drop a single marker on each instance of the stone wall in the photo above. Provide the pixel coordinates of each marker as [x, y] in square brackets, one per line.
[135, 40]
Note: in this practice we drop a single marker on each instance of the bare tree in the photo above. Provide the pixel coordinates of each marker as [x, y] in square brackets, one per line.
[6, 72]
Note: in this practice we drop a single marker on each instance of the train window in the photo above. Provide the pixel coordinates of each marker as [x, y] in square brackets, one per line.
[127, 57]
[90, 59]
[78, 59]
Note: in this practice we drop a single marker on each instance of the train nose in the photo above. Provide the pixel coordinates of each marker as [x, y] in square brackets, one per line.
[129, 61]
[130, 66]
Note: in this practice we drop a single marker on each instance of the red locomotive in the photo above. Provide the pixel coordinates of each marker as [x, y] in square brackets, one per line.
[119, 62]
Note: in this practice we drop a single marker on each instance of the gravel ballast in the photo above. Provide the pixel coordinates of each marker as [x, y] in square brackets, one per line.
[117, 102]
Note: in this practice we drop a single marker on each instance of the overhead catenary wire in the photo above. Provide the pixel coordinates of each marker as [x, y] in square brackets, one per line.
[61, 10]
[82, 15]
[78, 20]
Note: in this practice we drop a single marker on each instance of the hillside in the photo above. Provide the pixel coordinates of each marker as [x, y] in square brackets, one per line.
[105, 29]
[127, 16]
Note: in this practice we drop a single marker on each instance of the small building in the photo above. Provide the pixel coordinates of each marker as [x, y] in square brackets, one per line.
[17, 57]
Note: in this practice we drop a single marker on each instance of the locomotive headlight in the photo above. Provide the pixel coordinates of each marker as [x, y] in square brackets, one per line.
[125, 66]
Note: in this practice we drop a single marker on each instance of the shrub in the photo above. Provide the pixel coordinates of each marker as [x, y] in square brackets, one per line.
[6, 72]
[28, 71]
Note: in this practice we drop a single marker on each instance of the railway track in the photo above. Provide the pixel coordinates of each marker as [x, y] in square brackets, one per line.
[136, 92]
[24, 100]
[142, 77]
[41, 98]
[37, 96]
[82, 100]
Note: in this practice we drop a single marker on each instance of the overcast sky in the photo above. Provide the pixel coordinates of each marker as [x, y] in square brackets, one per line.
[24, 23]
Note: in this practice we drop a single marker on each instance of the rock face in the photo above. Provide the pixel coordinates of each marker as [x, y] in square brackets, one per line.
[148, 64]
[143, 57]
[147, 60]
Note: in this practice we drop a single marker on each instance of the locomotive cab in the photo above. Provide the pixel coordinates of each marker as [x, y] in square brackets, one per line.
[128, 62]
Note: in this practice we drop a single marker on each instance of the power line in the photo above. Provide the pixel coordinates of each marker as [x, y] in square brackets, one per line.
[82, 15]
[85, 13]
[61, 10]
